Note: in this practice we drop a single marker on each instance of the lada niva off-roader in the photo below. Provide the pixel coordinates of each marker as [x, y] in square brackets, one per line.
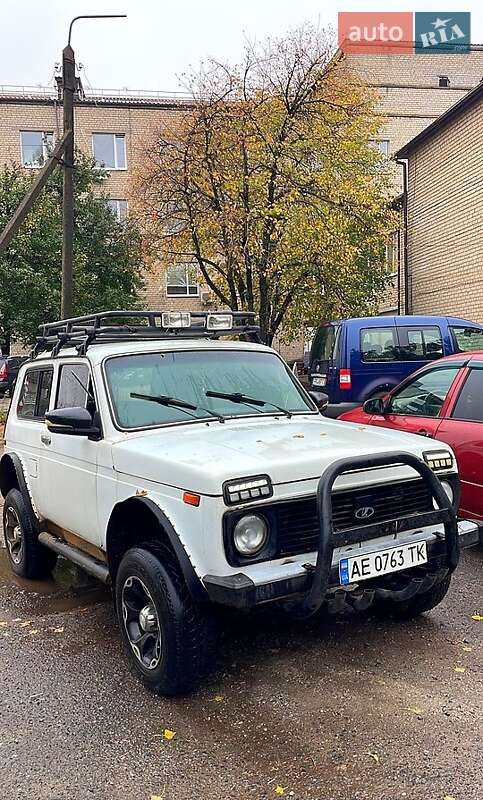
[188, 471]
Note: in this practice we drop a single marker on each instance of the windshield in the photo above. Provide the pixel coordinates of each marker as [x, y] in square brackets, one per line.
[188, 376]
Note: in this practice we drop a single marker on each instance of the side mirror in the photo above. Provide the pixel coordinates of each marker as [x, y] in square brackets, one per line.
[73, 422]
[320, 399]
[375, 405]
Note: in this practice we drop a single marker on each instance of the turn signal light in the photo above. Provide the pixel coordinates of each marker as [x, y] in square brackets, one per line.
[191, 499]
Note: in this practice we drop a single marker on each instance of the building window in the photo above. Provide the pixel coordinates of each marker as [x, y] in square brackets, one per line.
[119, 209]
[109, 150]
[36, 147]
[443, 81]
[381, 145]
[181, 280]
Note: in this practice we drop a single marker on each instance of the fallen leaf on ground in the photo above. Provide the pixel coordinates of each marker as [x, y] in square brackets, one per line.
[298, 436]
[218, 698]
[415, 710]
[59, 630]
[467, 649]
[33, 631]
[477, 617]
[448, 797]
[280, 789]
[156, 797]
[374, 756]
[460, 669]
[24, 624]
[169, 734]
[3, 624]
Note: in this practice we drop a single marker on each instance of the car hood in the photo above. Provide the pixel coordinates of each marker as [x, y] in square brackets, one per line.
[201, 456]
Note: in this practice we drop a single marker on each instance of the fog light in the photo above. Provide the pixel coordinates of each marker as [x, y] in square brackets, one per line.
[250, 534]
[176, 319]
[219, 322]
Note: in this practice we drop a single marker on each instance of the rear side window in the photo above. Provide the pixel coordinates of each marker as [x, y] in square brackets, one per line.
[421, 344]
[35, 394]
[466, 340]
[470, 402]
[379, 344]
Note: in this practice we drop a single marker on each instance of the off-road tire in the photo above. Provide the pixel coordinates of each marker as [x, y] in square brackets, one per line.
[35, 561]
[417, 605]
[187, 628]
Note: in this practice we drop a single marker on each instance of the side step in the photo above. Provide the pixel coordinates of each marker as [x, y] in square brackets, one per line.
[84, 561]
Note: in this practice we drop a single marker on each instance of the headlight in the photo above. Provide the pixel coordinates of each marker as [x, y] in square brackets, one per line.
[250, 534]
[449, 493]
[438, 459]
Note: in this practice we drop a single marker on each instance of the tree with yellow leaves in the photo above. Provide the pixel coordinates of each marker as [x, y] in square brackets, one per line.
[269, 185]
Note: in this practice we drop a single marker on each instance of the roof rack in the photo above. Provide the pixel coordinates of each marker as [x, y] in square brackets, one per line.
[127, 326]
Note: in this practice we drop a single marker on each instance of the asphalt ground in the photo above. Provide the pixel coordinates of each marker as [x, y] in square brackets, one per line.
[335, 708]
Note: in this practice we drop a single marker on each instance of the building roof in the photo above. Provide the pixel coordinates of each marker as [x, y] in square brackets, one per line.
[443, 121]
[118, 98]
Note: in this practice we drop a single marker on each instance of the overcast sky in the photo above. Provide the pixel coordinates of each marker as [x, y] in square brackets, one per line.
[160, 40]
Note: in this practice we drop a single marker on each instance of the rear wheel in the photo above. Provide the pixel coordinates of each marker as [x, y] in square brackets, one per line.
[169, 638]
[419, 604]
[28, 558]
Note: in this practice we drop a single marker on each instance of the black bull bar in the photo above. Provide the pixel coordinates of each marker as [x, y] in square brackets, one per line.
[445, 514]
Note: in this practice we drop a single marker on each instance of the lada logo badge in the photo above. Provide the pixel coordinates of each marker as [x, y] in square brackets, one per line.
[364, 512]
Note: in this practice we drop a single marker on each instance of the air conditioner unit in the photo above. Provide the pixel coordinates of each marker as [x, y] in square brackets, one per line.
[206, 298]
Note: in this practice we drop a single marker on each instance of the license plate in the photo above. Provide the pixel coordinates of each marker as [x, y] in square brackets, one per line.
[381, 562]
[319, 380]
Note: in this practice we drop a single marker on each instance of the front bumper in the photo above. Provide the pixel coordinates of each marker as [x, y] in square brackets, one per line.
[241, 591]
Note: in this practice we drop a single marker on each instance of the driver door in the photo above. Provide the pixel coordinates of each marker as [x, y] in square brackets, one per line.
[419, 405]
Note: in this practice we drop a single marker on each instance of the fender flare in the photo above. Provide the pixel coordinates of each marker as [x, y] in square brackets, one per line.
[22, 484]
[193, 582]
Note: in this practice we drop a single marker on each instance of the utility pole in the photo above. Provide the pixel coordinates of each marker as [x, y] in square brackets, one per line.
[68, 89]
[63, 153]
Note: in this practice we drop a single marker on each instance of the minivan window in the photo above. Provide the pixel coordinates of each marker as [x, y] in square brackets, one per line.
[379, 344]
[323, 348]
[422, 344]
[466, 340]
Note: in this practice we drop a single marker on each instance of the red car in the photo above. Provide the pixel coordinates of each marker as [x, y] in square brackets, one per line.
[443, 400]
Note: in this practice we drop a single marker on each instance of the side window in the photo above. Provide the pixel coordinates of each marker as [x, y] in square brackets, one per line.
[74, 388]
[35, 394]
[467, 340]
[421, 344]
[470, 402]
[424, 396]
[379, 344]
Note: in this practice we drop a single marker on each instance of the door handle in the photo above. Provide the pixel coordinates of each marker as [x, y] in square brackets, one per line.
[45, 438]
[424, 432]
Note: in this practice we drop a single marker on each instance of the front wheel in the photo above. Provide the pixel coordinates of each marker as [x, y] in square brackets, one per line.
[419, 604]
[168, 637]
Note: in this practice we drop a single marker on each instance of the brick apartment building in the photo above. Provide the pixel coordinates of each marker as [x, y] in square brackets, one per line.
[414, 89]
[115, 127]
[445, 212]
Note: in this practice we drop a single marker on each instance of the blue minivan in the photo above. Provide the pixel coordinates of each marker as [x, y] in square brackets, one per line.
[352, 360]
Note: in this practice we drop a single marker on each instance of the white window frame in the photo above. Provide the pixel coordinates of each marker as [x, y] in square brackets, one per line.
[187, 285]
[377, 145]
[113, 136]
[45, 150]
[117, 210]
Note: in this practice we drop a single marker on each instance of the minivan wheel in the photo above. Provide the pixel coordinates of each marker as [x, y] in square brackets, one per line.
[27, 557]
[168, 637]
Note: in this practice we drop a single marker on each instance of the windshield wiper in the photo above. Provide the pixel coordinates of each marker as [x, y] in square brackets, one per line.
[237, 397]
[174, 402]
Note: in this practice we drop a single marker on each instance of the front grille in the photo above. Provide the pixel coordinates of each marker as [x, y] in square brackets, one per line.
[297, 520]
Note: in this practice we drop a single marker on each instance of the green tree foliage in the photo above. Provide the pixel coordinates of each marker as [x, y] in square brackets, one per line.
[107, 255]
[269, 185]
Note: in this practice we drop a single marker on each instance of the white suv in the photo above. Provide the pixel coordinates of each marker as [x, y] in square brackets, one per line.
[188, 472]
